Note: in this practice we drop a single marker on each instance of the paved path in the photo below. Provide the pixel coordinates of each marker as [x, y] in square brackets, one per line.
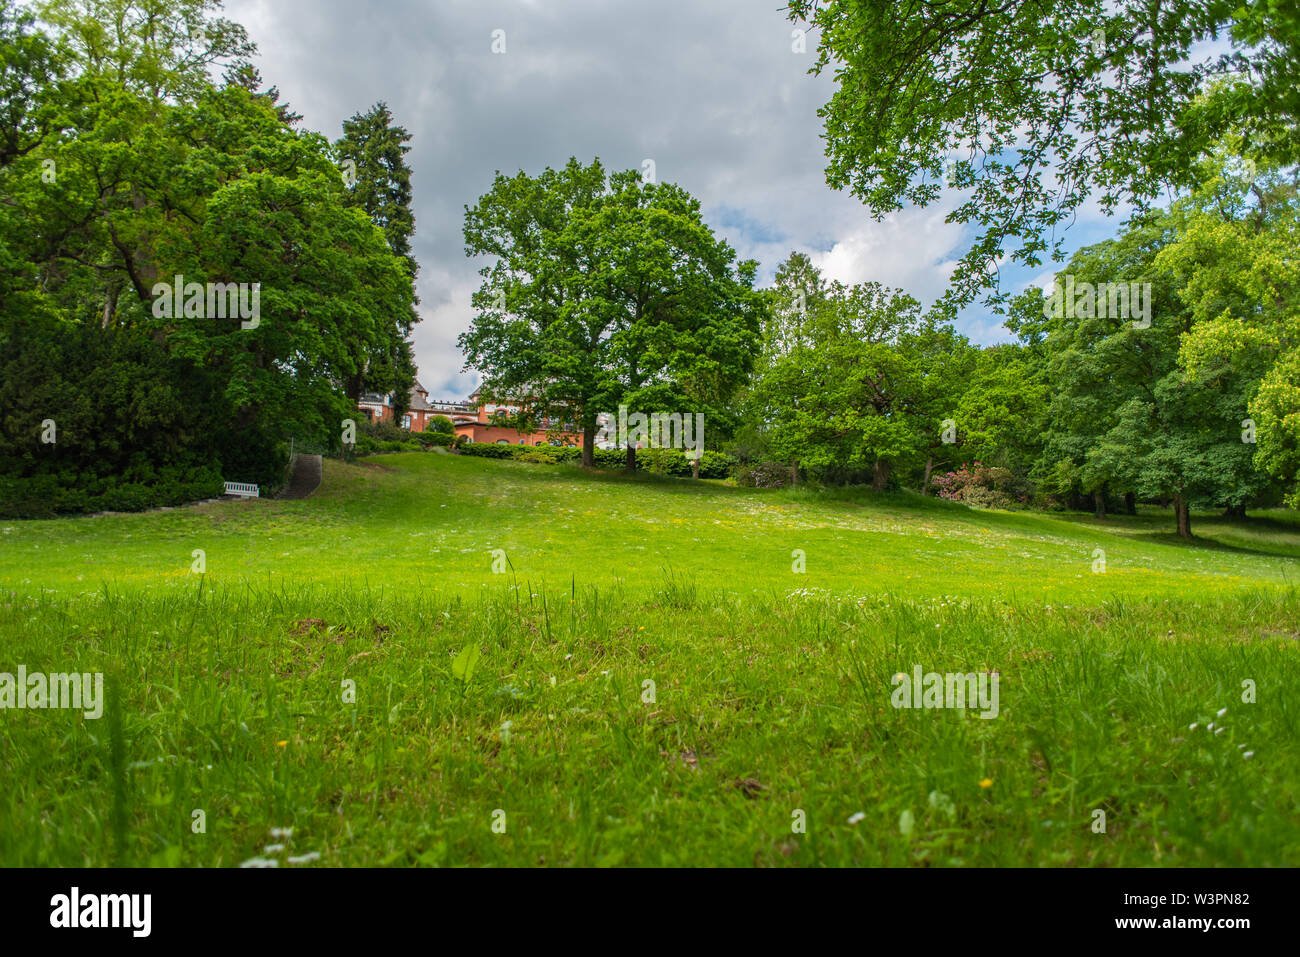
[307, 471]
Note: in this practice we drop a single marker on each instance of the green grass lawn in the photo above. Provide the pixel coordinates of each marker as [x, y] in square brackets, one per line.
[654, 683]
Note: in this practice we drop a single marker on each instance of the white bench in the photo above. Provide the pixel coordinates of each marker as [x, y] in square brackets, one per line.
[243, 489]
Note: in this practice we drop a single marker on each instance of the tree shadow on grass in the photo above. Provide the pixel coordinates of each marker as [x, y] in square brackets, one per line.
[1207, 544]
[848, 499]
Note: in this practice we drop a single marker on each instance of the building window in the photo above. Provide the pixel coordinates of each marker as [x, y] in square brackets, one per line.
[406, 421]
[503, 441]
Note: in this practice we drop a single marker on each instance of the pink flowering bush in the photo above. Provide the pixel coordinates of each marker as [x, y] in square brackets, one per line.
[981, 486]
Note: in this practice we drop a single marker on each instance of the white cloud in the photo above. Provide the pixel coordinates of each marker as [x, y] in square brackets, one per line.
[911, 250]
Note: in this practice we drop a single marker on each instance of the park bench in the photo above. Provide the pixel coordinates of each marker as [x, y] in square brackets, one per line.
[242, 489]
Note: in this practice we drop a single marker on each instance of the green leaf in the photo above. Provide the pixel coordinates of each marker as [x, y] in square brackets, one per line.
[462, 668]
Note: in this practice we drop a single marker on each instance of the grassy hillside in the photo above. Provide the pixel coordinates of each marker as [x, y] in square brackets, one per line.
[648, 682]
[431, 521]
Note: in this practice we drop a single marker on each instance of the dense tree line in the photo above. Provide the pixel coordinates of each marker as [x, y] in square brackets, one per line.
[1028, 109]
[1193, 403]
[1161, 369]
[124, 164]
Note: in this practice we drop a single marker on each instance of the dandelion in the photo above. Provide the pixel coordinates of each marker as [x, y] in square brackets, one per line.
[856, 818]
[281, 744]
[986, 783]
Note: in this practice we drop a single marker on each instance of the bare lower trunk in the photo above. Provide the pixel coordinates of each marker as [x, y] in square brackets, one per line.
[880, 478]
[589, 445]
[929, 467]
[1235, 511]
[1183, 515]
[1130, 503]
[695, 468]
[629, 463]
[794, 473]
[1099, 503]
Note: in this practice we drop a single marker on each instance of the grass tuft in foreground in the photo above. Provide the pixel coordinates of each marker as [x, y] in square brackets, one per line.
[530, 708]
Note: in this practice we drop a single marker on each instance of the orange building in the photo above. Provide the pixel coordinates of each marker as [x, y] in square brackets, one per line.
[475, 419]
[482, 425]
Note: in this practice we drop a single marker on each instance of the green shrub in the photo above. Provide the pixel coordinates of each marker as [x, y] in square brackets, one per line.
[429, 439]
[381, 430]
[487, 450]
[536, 454]
[762, 475]
[48, 495]
[662, 461]
[977, 496]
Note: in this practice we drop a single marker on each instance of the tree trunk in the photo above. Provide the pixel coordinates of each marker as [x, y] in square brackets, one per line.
[929, 467]
[1183, 515]
[1235, 511]
[629, 463]
[352, 387]
[589, 445]
[794, 473]
[1130, 503]
[1099, 503]
[695, 467]
[881, 477]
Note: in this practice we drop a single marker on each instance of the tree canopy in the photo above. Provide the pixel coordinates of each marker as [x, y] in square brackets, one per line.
[606, 290]
[123, 166]
[1029, 108]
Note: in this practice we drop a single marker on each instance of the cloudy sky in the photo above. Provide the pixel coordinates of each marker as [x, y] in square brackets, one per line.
[710, 90]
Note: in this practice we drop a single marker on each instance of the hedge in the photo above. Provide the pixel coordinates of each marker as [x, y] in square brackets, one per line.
[43, 496]
[661, 461]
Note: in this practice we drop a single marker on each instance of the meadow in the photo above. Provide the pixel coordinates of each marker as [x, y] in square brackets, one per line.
[658, 671]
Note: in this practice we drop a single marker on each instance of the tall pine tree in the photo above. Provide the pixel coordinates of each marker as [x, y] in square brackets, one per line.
[377, 146]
